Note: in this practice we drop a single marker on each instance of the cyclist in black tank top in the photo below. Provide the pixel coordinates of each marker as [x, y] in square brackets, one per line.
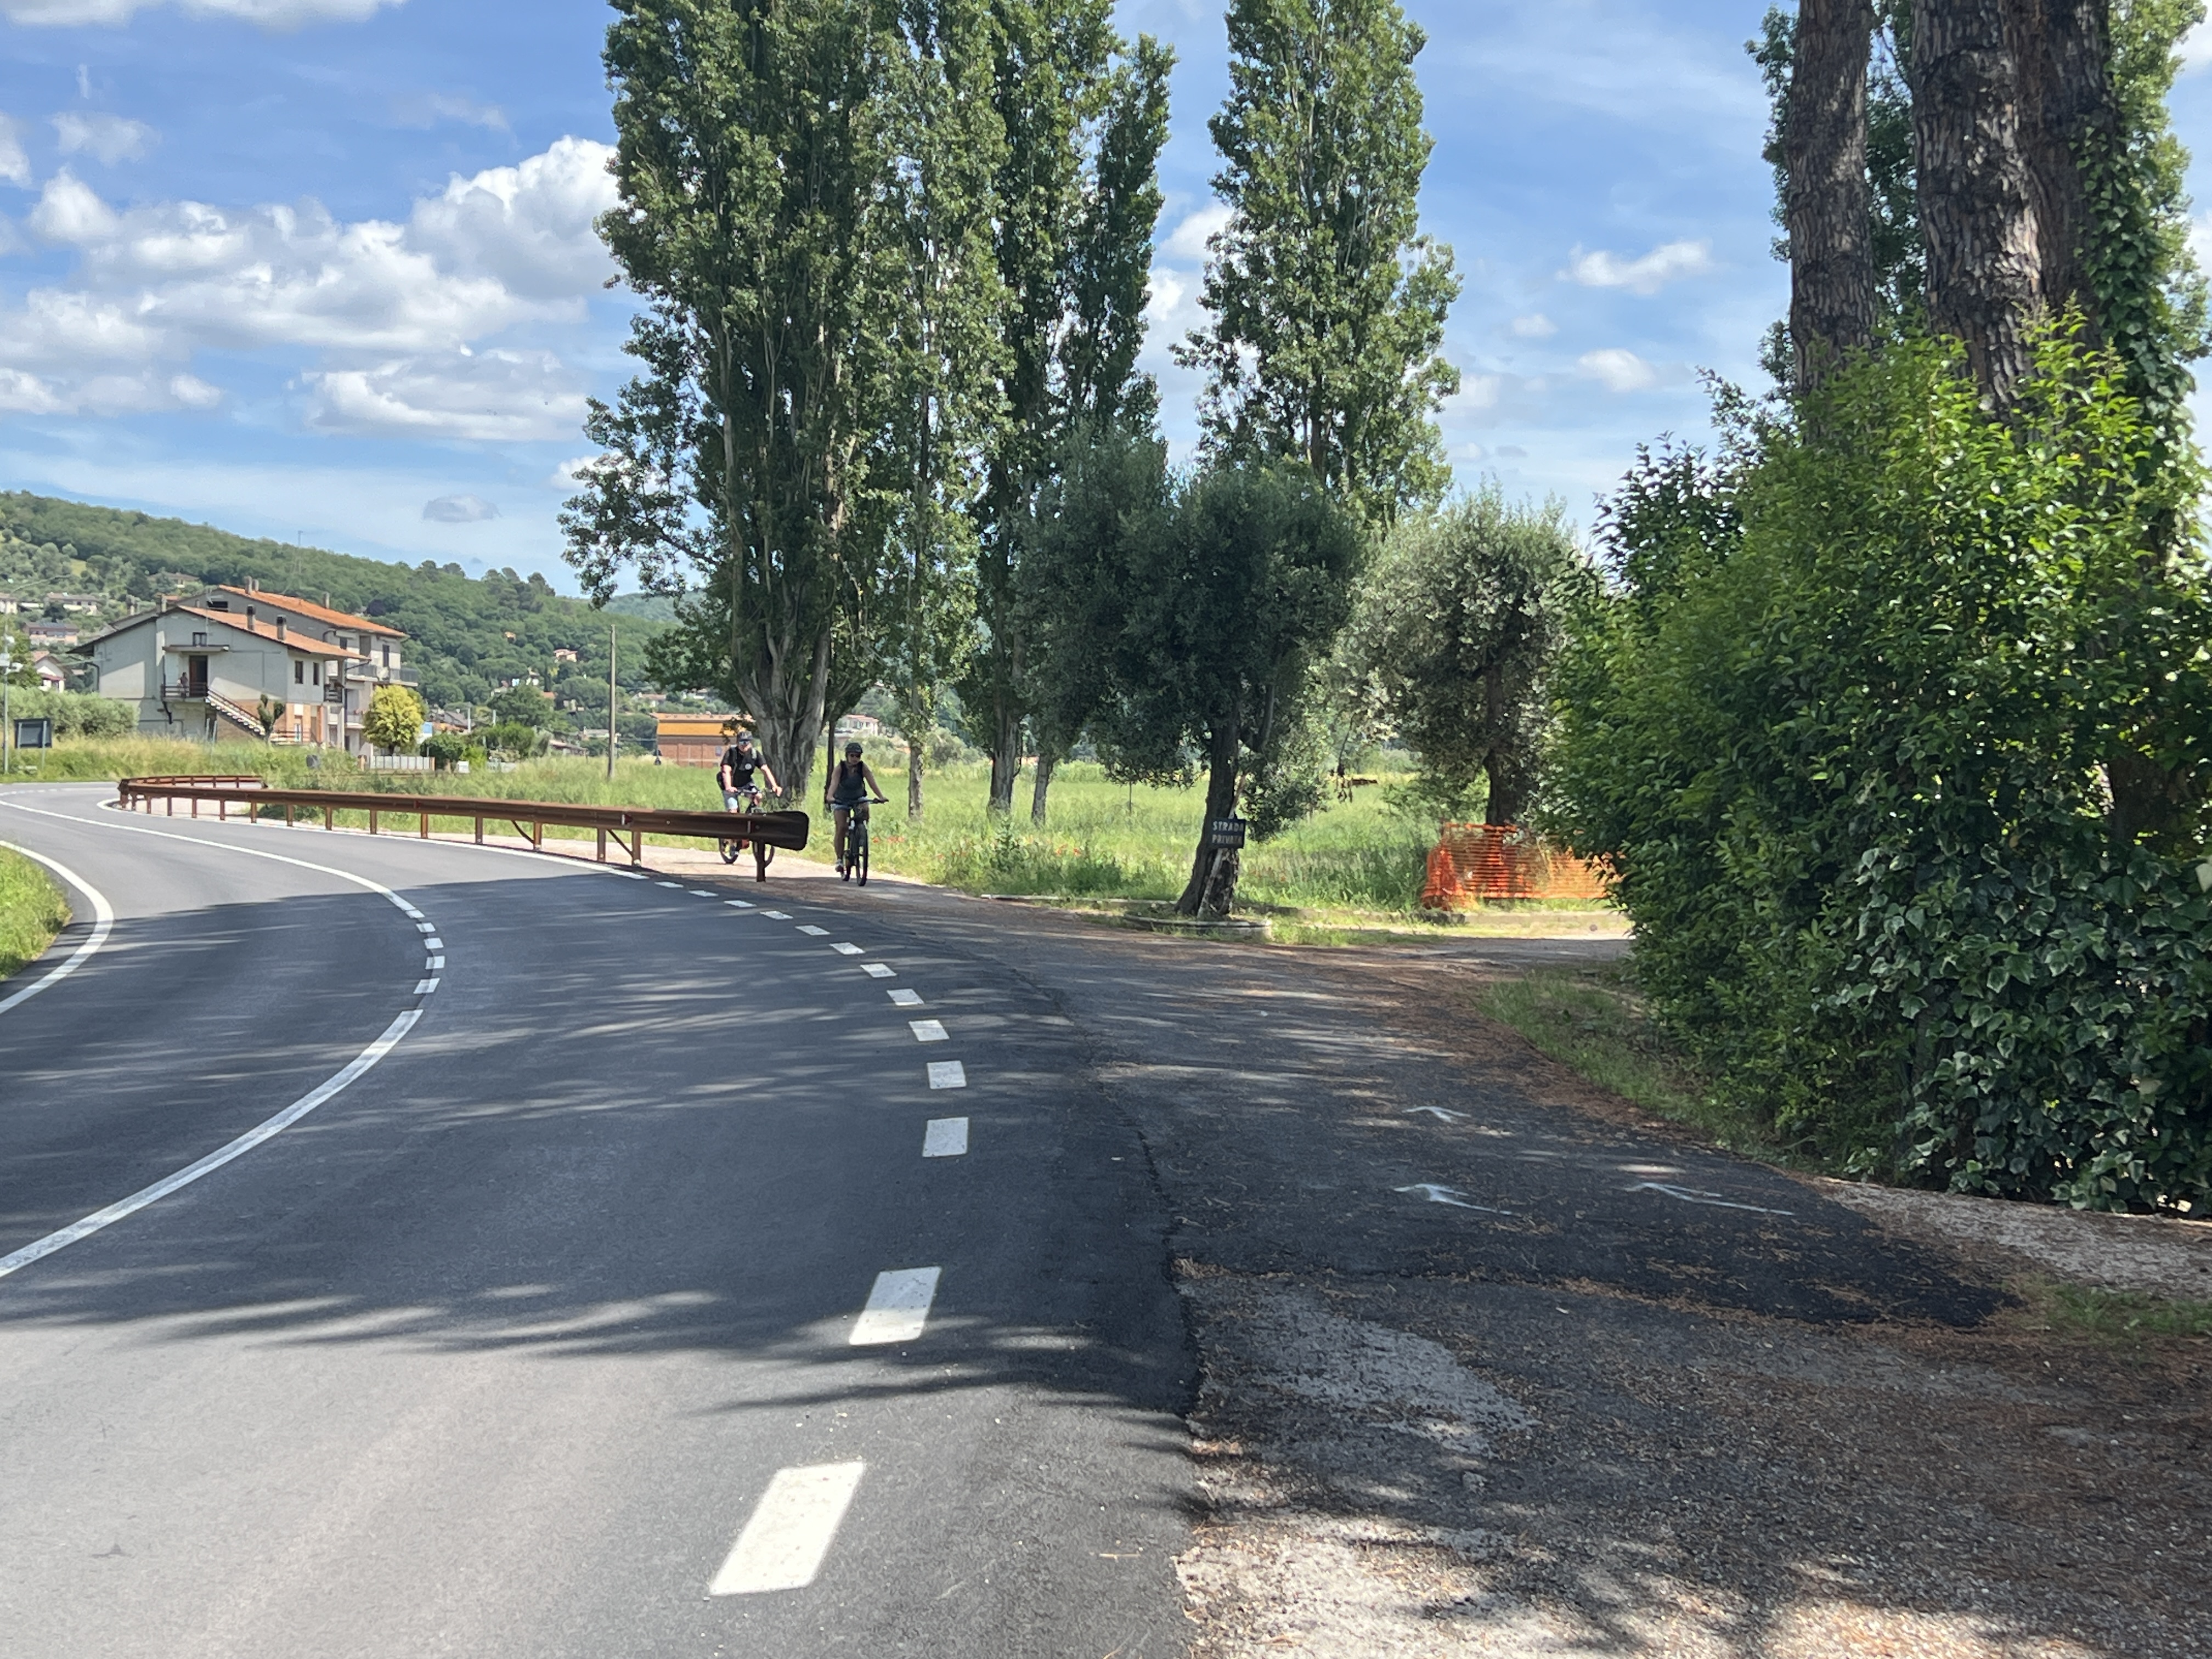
[846, 791]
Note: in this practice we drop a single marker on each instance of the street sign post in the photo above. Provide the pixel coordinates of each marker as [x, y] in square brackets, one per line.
[35, 734]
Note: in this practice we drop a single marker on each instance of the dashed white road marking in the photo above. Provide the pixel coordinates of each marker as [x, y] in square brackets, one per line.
[1441, 1114]
[222, 1155]
[929, 1030]
[775, 915]
[740, 904]
[809, 927]
[668, 883]
[945, 1137]
[103, 924]
[874, 969]
[434, 965]
[847, 950]
[902, 998]
[424, 987]
[947, 1074]
[783, 1544]
[702, 892]
[425, 926]
[898, 1307]
[631, 875]
[434, 944]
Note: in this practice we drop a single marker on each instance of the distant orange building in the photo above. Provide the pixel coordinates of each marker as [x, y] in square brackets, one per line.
[695, 740]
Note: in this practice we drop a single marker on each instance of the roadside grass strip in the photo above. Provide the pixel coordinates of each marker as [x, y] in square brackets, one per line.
[26, 910]
[945, 1137]
[902, 998]
[898, 1307]
[791, 1529]
[947, 1074]
[929, 1030]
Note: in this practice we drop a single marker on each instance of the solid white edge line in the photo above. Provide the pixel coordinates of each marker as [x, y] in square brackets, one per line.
[790, 1531]
[222, 1155]
[103, 924]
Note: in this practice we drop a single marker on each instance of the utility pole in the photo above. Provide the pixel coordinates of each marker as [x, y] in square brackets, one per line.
[611, 702]
[6, 723]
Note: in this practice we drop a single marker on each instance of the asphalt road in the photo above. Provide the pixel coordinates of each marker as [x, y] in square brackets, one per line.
[565, 1313]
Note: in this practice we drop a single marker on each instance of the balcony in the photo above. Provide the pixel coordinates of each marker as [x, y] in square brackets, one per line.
[185, 692]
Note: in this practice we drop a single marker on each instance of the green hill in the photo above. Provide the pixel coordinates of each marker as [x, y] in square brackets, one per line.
[465, 636]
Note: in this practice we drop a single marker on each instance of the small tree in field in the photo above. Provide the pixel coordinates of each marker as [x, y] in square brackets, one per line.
[1455, 627]
[394, 720]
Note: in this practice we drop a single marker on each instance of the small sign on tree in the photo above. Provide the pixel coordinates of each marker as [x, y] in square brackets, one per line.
[1224, 834]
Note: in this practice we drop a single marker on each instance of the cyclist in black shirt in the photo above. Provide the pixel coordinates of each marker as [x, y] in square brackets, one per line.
[739, 762]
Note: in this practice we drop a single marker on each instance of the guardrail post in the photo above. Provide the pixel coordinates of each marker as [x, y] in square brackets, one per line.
[329, 818]
[425, 827]
[223, 809]
[287, 815]
[603, 845]
[196, 806]
[538, 834]
[479, 829]
[637, 850]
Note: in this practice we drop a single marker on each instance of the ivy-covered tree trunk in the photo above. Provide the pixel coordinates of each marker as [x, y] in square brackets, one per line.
[2069, 119]
[1977, 217]
[1832, 292]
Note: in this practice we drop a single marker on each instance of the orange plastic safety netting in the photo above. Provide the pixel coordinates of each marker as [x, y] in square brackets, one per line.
[1475, 862]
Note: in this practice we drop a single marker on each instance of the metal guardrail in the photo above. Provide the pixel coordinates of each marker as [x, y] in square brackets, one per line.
[628, 825]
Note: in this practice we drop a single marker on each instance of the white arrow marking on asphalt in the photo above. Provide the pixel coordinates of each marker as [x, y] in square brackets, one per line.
[783, 1544]
[947, 1074]
[1437, 1194]
[875, 969]
[1437, 1113]
[1714, 1199]
[904, 997]
[945, 1137]
[897, 1308]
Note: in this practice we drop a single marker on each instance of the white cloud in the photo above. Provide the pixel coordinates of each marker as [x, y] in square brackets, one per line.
[1620, 371]
[15, 166]
[395, 308]
[490, 397]
[270, 14]
[459, 509]
[2196, 49]
[110, 138]
[430, 108]
[1666, 264]
[1536, 326]
[1475, 391]
[1187, 241]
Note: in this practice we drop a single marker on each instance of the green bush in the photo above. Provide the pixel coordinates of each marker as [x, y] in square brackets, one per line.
[1891, 731]
[75, 714]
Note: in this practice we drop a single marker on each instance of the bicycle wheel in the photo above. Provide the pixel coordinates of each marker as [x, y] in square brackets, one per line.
[860, 857]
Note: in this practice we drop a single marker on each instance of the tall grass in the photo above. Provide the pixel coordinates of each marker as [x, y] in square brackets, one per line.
[32, 911]
[1101, 839]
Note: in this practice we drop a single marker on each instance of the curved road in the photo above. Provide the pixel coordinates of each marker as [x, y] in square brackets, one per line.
[614, 1308]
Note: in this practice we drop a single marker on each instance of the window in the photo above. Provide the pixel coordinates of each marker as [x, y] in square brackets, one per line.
[199, 639]
[387, 656]
[318, 674]
[299, 672]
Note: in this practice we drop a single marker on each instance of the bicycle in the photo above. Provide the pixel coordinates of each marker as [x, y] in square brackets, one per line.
[856, 840]
[732, 846]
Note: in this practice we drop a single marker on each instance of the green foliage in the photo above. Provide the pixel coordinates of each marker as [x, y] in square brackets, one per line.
[1857, 762]
[451, 748]
[1456, 627]
[32, 911]
[1328, 303]
[457, 628]
[74, 714]
[393, 720]
[515, 739]
[519, 705]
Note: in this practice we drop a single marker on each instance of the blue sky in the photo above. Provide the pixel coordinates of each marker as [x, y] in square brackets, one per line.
[324, 269]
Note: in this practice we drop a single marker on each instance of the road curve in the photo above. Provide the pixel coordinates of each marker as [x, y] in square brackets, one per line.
[596, 1316]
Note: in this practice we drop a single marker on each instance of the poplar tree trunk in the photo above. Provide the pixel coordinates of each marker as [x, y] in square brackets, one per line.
[1006, 757]
[1830, 213]
[1977, 217]
[1046, 761]
[2068, 120]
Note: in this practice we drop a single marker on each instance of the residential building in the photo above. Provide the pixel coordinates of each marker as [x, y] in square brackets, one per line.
[77, 605]
[53, 674]
[9, 604]
[561, 654]
[203, 670]
[51, 633]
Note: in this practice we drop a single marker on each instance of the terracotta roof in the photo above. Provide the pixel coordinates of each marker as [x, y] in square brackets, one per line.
[291, 639]
[309, 608]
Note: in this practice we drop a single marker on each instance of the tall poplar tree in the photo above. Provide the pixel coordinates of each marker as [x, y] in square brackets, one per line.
[741, 468]
[948, 351]
[1328, 303]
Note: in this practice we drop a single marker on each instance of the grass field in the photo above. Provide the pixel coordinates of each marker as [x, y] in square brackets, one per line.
[1356, 861]
[32, 911]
